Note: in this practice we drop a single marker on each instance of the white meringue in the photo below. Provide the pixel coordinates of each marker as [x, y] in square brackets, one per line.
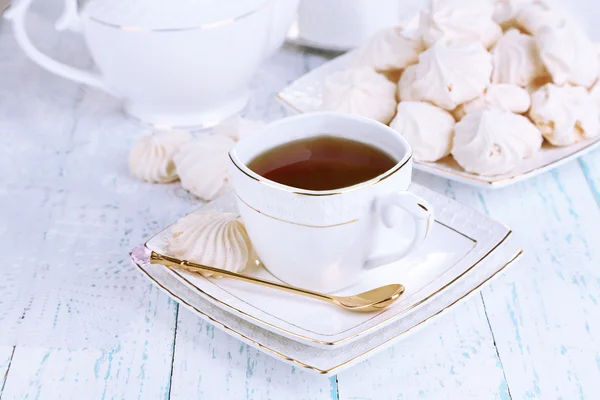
[213, 239]
[516, 59]
[492, 142]
[449, 74]
[428, 129]
[390, 49]
[537, 14]
[202, 166]
[506, 11]
[568, 54]
[505, 97]
[565, 115]
[237, 127]
[360, 91]
[151, 157]
[406, 82]
[595, 92]
[459, 19]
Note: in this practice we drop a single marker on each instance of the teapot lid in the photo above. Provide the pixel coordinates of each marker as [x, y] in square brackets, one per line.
[169, 14]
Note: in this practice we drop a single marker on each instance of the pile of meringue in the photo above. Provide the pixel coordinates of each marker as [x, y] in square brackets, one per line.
[485, 81]
[199, 163]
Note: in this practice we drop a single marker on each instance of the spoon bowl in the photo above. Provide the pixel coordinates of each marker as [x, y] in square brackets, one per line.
[372, 300]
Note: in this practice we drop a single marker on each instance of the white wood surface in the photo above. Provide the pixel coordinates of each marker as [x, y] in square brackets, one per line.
[533, 334]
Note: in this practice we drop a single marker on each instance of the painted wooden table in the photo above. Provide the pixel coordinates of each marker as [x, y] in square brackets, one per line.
[66, 198]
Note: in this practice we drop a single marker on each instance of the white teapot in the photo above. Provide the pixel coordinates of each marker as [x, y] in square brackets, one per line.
[174, 63]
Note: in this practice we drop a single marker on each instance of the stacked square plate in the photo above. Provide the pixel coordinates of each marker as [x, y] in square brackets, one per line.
[464, 251]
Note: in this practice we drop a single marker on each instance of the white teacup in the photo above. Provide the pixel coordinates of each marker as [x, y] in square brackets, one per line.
[324, 240]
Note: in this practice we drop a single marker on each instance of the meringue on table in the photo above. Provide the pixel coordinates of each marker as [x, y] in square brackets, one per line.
[565, 115]
[516, 59]
[459, 19]
[202, 166]
[492, 142]
[211, 238]
[503, 96]
[389, 50]
[451, 73]
[427, 128]
[360, 91]
[151, 157]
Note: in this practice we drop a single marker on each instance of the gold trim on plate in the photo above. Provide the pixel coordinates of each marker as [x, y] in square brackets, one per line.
[209, 25]
[363, 332]
[334, 368]
[215, 283]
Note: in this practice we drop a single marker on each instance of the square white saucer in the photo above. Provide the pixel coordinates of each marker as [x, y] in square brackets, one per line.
[460, 241]
[305, 95]
[333, 360]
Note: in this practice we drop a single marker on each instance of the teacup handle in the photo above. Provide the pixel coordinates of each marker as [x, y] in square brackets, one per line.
[69, 19]
[416, 207]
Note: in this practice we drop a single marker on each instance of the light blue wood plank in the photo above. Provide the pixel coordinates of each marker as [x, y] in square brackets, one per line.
[544, 312]
[451, 357]
[6, 355]
[138, 368]
[209, 364]
[590, 164]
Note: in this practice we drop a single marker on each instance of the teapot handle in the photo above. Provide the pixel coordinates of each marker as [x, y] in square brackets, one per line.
[68, 20]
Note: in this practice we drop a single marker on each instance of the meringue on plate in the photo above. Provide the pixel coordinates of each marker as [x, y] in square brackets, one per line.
[427, 128]
[568, 54]
[565, 115]
[202, 166]
[389, 50]
[211, 238]
[360, 91]
[505, 97]
[151, 157]
[459, 19]
[516, 59]
[406, 82]
[492, 142]
[506, 11]
[537, 14]
[451, 73]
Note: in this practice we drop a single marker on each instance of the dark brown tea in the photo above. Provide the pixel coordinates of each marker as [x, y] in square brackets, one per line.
[322, 163]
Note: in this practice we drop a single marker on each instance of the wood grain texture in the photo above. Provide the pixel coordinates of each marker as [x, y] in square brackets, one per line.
[6, 356]
[545, 313]
[452, 358]
[591, 169]
[209, 364]
[138, 368]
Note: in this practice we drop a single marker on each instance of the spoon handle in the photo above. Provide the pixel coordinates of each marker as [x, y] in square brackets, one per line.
[156, 258]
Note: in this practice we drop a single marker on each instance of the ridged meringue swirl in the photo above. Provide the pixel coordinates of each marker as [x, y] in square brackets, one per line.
[360, 91]
[237, 127]
[565, 115]
[459, 19]
[537, 14]
[516, 59]
[151, 157]
[427, 128]
[214, 239]
[390, 49]
[451, 73]
[505, 97]
[492, 142]
[568, 54]
[202, 165]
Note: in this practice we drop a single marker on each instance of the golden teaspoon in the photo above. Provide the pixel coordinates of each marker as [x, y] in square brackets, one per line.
[372, 300]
